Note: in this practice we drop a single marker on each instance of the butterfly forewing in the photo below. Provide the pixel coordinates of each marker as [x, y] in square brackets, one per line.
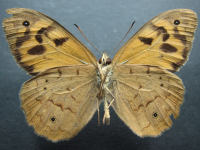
[39, 42]
[164, 41]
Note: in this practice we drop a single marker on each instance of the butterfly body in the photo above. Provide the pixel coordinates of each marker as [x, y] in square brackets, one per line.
[69, 83]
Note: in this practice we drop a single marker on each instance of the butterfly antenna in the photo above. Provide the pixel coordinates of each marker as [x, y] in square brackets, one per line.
[123, 38]
[86, 38]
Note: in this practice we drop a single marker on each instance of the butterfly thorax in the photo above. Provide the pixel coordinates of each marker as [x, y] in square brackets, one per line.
[105, 73]
[104, 70]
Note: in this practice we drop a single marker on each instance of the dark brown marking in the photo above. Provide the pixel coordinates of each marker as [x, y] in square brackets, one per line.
[141, 105]
[149, 102]
[161, 84]
[161, 30]
[41, 31]
[176, 30]
[185, 53]
[156, 96]
[135, 96]
[68, 89]
[21, 40]
[182, 38]
[180, 63]
[34, 73]
[59, 72]
[45, 88]
[39, 100]
[57, 104]
[165, 37]
[48, 29]
[37, 50]
[10, 35]
[46, 81]
[147, 126]
[39, 38]
[148, 71]
[77, 71]
[17, 55]
[70, 109]
[175, 66]
[131, 71]
[160, 77]
[51, 100]
[28, 68]
[145, 40]
[60, 41]
[140, 87]
[73, 98]
[167, 48]
[45, 32]
[60, 105]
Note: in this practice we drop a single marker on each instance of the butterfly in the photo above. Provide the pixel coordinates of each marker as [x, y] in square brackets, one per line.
[69, 83]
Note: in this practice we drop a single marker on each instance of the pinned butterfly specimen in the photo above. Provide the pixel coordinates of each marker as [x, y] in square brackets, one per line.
[69, 83]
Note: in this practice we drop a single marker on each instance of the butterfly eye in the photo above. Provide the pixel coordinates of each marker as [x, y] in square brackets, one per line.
[108, 61]
[26, 23]
[176, 22]
[100, 61]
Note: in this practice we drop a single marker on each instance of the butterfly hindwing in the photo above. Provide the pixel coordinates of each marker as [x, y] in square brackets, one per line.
[145, 97]
[59, 102]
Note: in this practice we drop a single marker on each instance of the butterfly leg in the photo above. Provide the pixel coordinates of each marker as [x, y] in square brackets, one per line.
[98, 113]
[106, 116]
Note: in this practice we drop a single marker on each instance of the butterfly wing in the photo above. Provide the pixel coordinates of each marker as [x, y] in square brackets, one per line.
[164, 41]
[60, 101]
[39, 42]
[146, 94]
[145, 97]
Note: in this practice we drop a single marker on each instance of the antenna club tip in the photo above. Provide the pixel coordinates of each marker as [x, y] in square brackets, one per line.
[76, 25]
[133, 23]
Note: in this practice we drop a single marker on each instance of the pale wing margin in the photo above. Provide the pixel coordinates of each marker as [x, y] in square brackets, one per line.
[145, 97]
[59, 102]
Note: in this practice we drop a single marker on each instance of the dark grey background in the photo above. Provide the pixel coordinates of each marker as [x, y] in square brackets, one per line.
[105, 23]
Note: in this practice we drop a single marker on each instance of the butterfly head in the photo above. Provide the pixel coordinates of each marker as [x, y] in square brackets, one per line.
[105, 60]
